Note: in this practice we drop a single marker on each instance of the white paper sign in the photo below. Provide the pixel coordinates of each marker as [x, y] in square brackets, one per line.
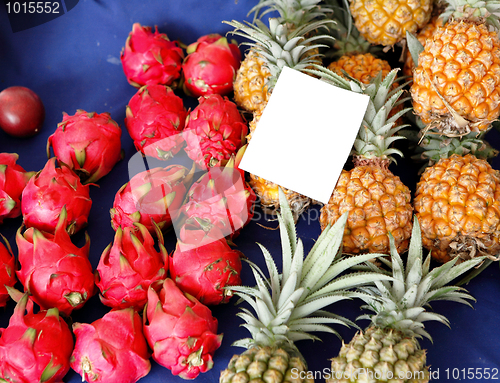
[305, 134]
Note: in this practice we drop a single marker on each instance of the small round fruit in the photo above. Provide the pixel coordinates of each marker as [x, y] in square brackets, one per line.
[21, 112]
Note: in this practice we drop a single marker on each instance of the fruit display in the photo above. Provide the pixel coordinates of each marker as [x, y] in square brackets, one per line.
[140, 251]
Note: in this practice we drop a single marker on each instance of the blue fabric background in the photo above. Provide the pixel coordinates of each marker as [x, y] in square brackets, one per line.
[73, 63]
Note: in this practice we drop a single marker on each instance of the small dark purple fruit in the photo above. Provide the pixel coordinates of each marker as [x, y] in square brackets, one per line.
[21, 112]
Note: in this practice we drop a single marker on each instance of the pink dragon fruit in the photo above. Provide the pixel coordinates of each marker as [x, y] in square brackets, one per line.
[210, 66]
[7, 271]
[35, 347]
[88, 143]
[129, 266]
[150, 197]
[214, 131]
[150, 57]
[222, 198]
[155, 119]
[205, 269]
[48, 191]
[111, 349]
[53, 270]
[13, 179]
[181, 331]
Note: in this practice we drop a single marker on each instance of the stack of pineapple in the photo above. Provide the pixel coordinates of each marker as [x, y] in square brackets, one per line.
[454, 95]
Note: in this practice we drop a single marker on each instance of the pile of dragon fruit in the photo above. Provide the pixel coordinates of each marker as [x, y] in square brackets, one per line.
[159, 302]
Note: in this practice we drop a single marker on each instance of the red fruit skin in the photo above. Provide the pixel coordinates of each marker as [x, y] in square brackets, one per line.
[55, 271]
[155, 119]
[7, 272]
[210, 66]
[150, 57]
[111, 349]
[127, 268]
[33, 342]
[21, 112]
[151, 195]
[89, 143]
[205, 271]
[13, 179]
[214, 131]
[48, 192]
[181, 331]
[220, 197]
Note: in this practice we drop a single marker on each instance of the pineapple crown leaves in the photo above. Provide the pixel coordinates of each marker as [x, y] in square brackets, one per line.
[432, 146]
[476, 10]
[280, 47]
[294, 13]
[401, 303]
[378, 131]
[290, 305]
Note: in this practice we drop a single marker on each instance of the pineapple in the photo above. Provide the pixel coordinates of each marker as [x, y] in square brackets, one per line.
[385, 22]
[280, 47]
[388, 350]
[289, 306]
[378, 202]
[456, 84]
[457, 201]
[353, 54]
[250, 85]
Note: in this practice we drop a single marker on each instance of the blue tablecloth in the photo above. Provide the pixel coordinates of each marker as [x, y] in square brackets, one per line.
[73, 62]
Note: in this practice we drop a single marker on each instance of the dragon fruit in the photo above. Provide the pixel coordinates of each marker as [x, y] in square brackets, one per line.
[220, 197]
[111, 349]
[204, 271]
[48, 191]
[129, 266]
[155, 119]
[180, 330]
[35, 347]
[214, 131]
[7, 271]
[53, 270]
[150, 197]
[210, 66]
[150, 57]
[88, 143]
[13, 179]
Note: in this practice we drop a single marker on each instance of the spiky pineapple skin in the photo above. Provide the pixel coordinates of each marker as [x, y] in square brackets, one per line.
[362, 67]
[265, 364]
[457, 201]
[386, 22]
[426, 32]
[378, 203]
[250, 89]
[379, 353]
[462, 59]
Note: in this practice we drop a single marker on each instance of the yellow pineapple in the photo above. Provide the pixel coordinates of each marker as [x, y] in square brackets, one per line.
[388, 350]
[385, 22]
[280, 47]
[378, 202]
[457, 201]
[352, 53]
[250, 85]
[456, 83]
[289, 305]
